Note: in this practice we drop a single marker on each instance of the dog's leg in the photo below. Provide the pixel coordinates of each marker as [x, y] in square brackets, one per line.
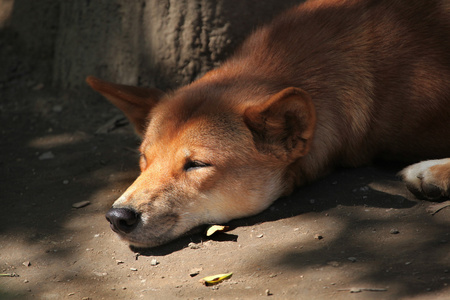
[428, 179]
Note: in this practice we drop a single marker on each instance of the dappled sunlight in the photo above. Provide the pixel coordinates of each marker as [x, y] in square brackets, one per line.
[391, 187]
[120, 181]
[303, 242]
[58, 140]
[38, 223]
[357, 228]
[370, 248]
[327, 237]
[6, 9]
[291, 250]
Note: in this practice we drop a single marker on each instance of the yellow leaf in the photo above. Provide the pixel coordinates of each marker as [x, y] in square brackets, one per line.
[215, 279]
[211, 230]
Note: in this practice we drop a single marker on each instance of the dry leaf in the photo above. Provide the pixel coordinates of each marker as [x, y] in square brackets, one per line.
[214, 228]
[215, 279]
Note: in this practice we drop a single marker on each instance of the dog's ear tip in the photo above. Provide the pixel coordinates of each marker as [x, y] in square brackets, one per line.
[92, 80]
[135, 102]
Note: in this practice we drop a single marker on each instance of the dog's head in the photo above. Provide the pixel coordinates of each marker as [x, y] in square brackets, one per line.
[205, 158]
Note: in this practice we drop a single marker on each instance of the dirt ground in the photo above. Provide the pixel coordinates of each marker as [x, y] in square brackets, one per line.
[357, 234]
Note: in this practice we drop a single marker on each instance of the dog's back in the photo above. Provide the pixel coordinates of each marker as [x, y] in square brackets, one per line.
[381, 67]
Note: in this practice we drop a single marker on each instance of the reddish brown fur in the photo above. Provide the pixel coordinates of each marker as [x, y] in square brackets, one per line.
[327, 83]
[442, 175]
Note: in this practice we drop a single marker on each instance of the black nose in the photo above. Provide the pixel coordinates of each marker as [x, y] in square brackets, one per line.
[122, 220]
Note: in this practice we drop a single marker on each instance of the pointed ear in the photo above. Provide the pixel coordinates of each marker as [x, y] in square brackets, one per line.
[284, 124]
[135, 102]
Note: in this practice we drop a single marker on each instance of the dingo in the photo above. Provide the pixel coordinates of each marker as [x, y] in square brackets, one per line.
[330, 82]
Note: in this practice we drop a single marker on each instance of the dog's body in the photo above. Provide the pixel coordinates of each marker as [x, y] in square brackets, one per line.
[327, 83]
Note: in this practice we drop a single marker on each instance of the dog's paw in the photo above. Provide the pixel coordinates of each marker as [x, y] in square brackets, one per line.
[428, 179]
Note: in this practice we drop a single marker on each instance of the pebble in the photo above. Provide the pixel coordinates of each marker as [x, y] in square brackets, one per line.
[394, 231]
[57, 108]
[268, 293]
[352, 259]
[81, 204]
[133, 269]
[194, 246]
[364, 189]
[194, 272]
[260, 235]
[318, 237]
[154, 262]
[333, 264]
[26, 263]
[46, 155]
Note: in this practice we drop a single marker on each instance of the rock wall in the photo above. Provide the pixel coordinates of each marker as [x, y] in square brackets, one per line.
[162, 43]
[27, 37]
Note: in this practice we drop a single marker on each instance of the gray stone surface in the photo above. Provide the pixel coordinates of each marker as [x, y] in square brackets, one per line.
[145, 42]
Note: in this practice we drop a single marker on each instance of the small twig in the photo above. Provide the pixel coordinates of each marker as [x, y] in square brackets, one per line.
[359, 290]
[9, 275]
[115, 122]
[434, 208]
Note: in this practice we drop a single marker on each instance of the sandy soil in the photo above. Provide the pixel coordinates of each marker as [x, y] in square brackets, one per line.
[357, 234]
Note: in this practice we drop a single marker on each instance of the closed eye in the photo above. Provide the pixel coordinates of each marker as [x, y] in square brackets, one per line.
[191, 165]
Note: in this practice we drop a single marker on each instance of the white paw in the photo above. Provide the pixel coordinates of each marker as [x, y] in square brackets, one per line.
[428, 179]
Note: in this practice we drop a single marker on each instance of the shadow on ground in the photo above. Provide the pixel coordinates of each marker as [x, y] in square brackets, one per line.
[354, 228]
